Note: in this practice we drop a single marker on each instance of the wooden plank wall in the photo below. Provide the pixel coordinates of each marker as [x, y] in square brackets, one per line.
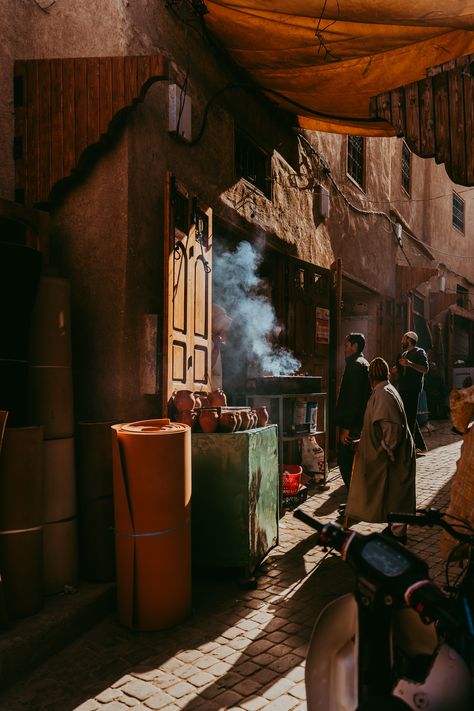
[409, 278]
[436, 116]
[65, 106]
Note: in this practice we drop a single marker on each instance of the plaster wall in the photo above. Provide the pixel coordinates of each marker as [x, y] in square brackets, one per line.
[358, 228]
[427, 211]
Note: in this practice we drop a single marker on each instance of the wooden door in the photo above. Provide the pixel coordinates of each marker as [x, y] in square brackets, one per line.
[187, 291]
[308, 306]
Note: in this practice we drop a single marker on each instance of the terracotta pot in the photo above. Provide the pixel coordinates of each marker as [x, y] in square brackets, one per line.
[262, 416]
[227, 422]
[217, 398]
[188, 417]
[184, 400]
[254, 417]
[197, 401]
[203, 396]
[238, 417]
[246, 419]
[209, 420]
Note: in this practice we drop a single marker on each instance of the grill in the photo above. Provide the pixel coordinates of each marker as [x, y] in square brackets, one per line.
[288, 384]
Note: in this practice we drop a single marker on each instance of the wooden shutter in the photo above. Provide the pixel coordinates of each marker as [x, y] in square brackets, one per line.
[188, 291]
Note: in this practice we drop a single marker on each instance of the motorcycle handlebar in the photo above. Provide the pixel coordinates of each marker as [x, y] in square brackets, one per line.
[422, 595]
[430, 603]
[308, 520]
[430, 517]
[331, 535]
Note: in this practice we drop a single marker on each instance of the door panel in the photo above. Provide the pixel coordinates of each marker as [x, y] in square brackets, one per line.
[178, 360]
[180, 287]
[201, 307]
[200, 365]
[188, 291]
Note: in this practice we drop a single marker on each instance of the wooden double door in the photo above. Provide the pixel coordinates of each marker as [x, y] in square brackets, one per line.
[187, 335]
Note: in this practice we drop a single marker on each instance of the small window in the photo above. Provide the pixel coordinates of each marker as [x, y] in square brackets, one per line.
[252, 163]
[462, 296]
[180, 211]
[418, 305]
[355, 158]
[458, 212]
[18, 91]
[406, 168]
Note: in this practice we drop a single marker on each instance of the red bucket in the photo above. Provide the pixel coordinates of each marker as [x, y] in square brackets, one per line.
[291, 479]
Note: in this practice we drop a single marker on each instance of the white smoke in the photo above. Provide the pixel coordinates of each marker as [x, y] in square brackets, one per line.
[236, 288]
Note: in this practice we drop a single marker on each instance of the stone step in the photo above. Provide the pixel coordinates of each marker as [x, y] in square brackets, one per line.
[28, 642]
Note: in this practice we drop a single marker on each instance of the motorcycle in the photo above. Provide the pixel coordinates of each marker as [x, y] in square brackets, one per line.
[399, 642]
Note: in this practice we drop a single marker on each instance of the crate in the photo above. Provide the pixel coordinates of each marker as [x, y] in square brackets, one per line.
[292, 501]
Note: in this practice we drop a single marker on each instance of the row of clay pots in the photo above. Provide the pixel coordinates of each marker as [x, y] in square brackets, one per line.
[185, 400]
[209, 420]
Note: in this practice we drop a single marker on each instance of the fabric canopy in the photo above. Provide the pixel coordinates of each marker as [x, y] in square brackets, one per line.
[324, 59]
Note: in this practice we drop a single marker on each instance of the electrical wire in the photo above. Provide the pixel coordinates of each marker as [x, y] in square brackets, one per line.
[410, 200]
[379, 212]
[361, 211]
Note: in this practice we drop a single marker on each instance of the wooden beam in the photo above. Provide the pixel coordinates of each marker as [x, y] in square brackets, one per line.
[436, 115]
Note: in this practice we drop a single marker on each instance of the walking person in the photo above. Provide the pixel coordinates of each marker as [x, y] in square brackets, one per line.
[410, 368]
[351, 403]
[383, 477]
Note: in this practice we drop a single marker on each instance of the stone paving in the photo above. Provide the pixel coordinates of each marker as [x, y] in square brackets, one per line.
[241, 649]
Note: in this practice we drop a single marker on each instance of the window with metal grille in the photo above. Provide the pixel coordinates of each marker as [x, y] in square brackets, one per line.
[406, 167]
[458, 212]
[355, 158]
[252, 163]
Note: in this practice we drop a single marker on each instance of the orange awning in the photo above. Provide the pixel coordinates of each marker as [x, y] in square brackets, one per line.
[323, 60]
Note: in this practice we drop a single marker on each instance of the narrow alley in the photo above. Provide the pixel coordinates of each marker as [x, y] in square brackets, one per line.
[240, 649]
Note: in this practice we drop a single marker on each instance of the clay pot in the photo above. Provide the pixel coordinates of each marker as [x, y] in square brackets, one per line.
[203, 396]
[262, 416]
[184, 400]
[238, 417]
[227, 422]
[246, 419]
[188, 417]
[197, 401]
[209, 420]
[217, 398]
[254, 417]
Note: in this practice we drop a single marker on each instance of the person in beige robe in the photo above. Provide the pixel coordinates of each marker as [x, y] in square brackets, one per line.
[461, 504]
[383, 476]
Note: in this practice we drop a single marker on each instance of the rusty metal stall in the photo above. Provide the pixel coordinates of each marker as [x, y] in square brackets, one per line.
[235, 498]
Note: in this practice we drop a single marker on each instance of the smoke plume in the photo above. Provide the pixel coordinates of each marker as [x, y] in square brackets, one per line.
[238, 289]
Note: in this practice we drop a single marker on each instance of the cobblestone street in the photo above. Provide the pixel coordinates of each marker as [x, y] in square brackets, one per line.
[240, 649]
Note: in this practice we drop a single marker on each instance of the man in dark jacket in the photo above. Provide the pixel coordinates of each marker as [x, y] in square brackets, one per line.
[411, 368]
[354, 392]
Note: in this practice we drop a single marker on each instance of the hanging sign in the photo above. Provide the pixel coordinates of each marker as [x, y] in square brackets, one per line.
[322, 325]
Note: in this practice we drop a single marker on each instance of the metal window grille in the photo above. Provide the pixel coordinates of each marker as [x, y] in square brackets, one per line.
[355, 158]
[252, 163]
[458, 212]
[406, 167]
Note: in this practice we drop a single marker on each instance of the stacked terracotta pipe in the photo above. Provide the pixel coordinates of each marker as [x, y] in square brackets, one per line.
[95, 501]
[21, 453]
[51, 404]
[152, 499]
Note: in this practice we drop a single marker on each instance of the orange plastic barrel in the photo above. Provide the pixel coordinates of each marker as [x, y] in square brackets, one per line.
[152, 506]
